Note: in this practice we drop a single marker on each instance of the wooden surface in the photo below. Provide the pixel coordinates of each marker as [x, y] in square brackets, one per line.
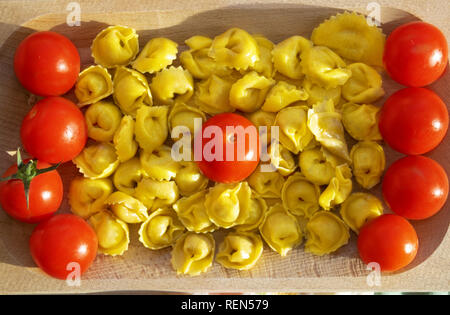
[145, 270]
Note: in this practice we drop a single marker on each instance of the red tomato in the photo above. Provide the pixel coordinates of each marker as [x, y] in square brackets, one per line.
[54, 130]
[413, 121]
[415, 187]
[47, 63]
[45, 194]
[415, 54]
[389, 240]
[229, 148]
[63, 243]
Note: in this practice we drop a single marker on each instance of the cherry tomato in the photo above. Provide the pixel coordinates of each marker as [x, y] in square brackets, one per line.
[413, 121]
[415, 54]
[415, 187]
[54, 130]
[389, 240]
[63, 244]
[229, 146]
[47, 63]
[45, 191]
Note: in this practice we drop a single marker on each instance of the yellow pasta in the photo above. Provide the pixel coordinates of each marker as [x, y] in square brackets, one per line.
[240, 250]
[127, 208]
[300, 196]
[317, 94]
[235, 48]
[364, 86]
[128, 175]
[98, 160]
[124, 141]
[368, 163]
[349, 35]
[338, 189]
[170, 84]
[94, 84]
[315, 167]
[282, 95]
[264, 65]
[161, 229]
[192, 213]
[266, 184]
[323, 67]
[151, 127]
[189, 178]
[361, 121]
[158, 164]
[326, 233]
[264, 119]
[257, 208]
[193, 253]
[212, 95]
[184, 115]
[112, 233]
[248, 93]
[157, 54]
[102, 120]
[115, 46]
[156, 194]
[281, 159]
[87, 196]
[286, 56]
[131, 90]
[360, 208]
[280, 230]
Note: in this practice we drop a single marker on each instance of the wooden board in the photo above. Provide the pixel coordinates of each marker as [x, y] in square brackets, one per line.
[142, 269]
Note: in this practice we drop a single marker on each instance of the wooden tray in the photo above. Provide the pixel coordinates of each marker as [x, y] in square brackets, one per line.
[143, 269]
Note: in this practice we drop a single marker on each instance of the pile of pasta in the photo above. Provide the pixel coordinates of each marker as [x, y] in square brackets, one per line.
[316, 91]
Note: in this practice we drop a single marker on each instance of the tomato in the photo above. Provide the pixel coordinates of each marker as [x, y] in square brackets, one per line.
[63, 244]
[45, 191]
[389, 240]
[413, 121]
[47, 63]
[54, 130]
[415, 187]
[229, 145]
[415, 54]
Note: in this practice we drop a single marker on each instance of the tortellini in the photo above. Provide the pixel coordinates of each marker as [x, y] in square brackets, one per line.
[364, 86]
[197, 61]
[281, 159]
[87, 196]
[235, 48]
[192, 213]
[315, 166]
[264, 65]
[317, 94]
[128, 175]
[127, 208]
[326, 233]
[170, 84]
[240, 250]
[93, 84]
[161, 229]
[338, 189]
[326, 125]
[102, 120]
[189, 178]
[184, 115]
[157, 54]
[112, 233]
[193, 253]
[282, 95]
[248, 93]
[266, 184]
[98, 160]
[257, 208]
[131, 90]
[115, 46]
[286, 56]
[123, 139]
[361, 121]
[324, 67]
[368, 163]
[227, 205]
[212, 95]
[280, 230]
[294, 132]
[156, 194]
[360, 208]
[300, 196]
[151, 128]
[158, 164]
[349, 35]
[261, 118]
